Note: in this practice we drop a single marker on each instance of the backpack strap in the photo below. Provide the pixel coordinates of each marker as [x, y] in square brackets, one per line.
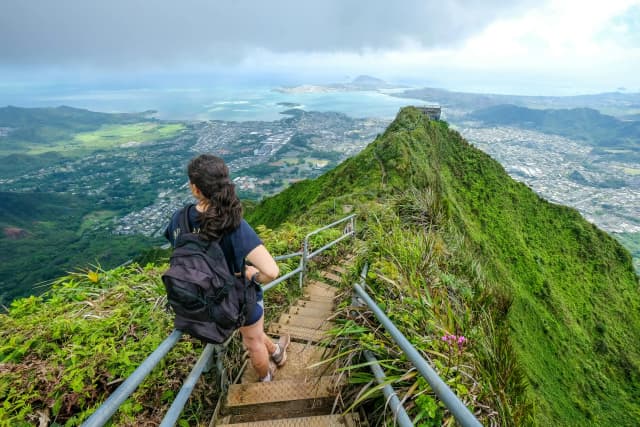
[227, 248]
[226, 245]
[183, 219]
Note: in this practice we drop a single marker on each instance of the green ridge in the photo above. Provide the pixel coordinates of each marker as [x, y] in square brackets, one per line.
[574, 317]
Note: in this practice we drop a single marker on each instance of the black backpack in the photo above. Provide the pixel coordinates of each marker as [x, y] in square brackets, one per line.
[209, 301]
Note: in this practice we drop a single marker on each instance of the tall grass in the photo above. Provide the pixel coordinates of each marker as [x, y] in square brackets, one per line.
[424, 276]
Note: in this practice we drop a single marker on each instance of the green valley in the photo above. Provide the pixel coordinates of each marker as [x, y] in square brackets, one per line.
[107, 137]
[118, 178]
[46, 235]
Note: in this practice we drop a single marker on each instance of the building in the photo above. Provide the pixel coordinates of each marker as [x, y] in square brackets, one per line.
[431, 111]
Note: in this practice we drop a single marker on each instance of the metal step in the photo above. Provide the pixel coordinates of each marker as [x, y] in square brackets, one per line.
[306, 322]
[310, 311]
[316, 305]
[277, 399]
[338, 269]
[316, 288]
[349, 420]
[317, 298]
[331, 276]
[298, 333]
[321, 284]
[299, 357]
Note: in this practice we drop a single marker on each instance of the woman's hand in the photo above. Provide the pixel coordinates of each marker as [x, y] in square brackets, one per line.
[263, 263]
[249, 271]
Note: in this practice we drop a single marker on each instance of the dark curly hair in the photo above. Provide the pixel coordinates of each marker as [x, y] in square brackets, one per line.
[224, 211]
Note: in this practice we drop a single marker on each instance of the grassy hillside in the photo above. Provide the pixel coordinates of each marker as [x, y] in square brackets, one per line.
[32, 138]
[584, 124]
[42, 127]
[45, 235]
[558, 291]
[63, 353]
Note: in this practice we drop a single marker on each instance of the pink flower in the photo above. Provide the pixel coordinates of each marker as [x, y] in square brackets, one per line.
[451, 339]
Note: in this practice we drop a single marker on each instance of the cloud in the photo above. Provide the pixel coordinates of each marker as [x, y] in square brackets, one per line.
[625, 28]
[129, 33]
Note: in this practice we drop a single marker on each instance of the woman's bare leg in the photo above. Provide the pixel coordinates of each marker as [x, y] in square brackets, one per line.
[259, 346]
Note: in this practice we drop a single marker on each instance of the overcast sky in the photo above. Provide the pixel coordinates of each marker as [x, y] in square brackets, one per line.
[594, 42]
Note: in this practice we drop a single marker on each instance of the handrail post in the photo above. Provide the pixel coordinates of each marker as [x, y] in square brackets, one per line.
[303, 260]
[353, 225]
[221, 351]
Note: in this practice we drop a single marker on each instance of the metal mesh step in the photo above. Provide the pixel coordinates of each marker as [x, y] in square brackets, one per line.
[315, 288]
[299, 357]
[318, 305]
[322, 284]
[297, 332]
[338, 269]
[331, 276]
[306, 322]
[264, 397]
[348, 420]
[310, 311]
[317, 298]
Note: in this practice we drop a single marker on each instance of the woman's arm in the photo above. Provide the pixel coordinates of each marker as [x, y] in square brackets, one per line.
[263, 264]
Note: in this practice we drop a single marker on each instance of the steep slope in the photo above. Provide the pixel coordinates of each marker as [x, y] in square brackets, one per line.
[567, 290]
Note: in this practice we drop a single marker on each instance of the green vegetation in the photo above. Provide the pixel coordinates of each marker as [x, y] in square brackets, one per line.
[30, 127]
[39, 137]
[63, 353]
[110, 136]
[586, 124]
[17, 164]
[46, 235]
[91, 333]
[547, 303]
[539, 290]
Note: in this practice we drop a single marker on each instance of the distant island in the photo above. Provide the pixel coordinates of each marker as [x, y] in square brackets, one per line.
[289, 104]
[360, 83]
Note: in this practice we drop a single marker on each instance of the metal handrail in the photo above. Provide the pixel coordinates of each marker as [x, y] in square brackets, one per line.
[281, 279]
[440, 388]
[111, 405]
[306, 256]
[394, 403]
[187, 387]
[117, 398]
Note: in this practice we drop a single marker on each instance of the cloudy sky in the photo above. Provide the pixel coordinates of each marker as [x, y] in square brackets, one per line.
[466, 44]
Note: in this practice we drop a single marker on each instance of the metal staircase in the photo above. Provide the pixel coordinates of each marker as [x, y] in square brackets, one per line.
[304, 391]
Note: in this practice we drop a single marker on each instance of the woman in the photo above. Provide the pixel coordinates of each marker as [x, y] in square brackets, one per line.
[218, 215]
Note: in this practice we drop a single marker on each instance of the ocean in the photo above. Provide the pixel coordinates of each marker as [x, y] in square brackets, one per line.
[216, 103]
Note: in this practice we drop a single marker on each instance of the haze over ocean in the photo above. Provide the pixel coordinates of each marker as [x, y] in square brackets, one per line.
[235, 103]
